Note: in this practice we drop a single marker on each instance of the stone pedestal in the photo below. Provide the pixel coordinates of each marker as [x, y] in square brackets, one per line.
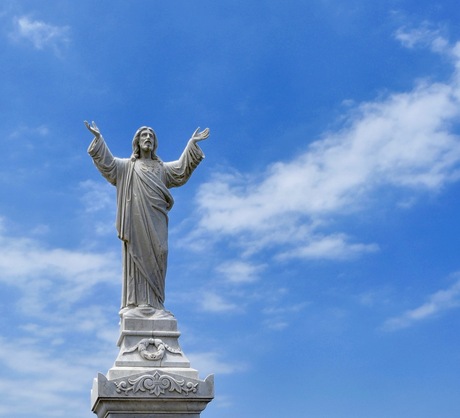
[151, 377]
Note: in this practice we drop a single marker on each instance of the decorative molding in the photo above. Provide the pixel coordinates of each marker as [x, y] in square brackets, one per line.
[156, 355]
[155, 384]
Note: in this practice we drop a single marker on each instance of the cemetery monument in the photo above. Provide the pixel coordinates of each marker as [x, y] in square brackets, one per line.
[151, 377]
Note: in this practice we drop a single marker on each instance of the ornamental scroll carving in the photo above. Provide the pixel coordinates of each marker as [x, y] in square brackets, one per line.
[155, 384]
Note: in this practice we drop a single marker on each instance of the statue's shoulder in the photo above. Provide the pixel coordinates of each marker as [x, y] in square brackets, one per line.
[123, 164]
[124, 161]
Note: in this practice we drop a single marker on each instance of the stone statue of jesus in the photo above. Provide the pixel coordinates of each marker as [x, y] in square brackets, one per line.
[143, 203]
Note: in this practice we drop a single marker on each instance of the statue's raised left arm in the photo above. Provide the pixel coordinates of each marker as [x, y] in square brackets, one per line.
[178, 172]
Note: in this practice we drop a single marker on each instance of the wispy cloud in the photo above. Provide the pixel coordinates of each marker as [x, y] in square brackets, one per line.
[404, 141]
[58, 326]
[44, 374]
[99, 204]
[437, 303]
[40, 34]
[213, 302]
[279, 318]
[210, 362]
[31, 137]
[51, 277]
[25, 130]
[425, 36]
[237, 271]
[335, 246]
[98, 196]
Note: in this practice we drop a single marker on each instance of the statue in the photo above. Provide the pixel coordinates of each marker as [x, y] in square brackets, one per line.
[143, 203]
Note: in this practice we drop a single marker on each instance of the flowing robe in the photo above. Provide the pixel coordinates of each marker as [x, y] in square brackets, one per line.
[143, 203]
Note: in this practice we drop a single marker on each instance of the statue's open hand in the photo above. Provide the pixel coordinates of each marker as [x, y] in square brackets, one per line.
[199, 136]
[93, 129]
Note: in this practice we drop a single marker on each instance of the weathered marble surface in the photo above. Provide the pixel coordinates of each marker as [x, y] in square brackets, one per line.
[152, 394]
[143, 202]
[151, 376]
[131, 360]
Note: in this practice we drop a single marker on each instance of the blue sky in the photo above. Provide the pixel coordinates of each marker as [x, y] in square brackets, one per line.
[314, 263]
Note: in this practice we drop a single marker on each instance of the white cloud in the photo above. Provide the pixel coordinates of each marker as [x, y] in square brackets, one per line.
[285, 309]
[27, 131]
[99, 204]
[332, 247]
[374, 297]
[40, 34]
[441, 301]
[280, 317]
[404, 141]
[23, 259]
[40, 230]
[61, 336]
[210, 362]
[212, 302]
[58, 380]
[51, 277]
[237, 271]
[32, 137]
[424, 36]
[98, 196]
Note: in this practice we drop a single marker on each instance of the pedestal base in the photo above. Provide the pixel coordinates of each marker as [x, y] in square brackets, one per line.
[154, 394]
[151, 377]
[149, 342]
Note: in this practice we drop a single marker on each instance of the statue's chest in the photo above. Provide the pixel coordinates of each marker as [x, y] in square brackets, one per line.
[150, 167]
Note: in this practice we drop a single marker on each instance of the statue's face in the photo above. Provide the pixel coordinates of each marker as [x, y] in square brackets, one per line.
[146, 140]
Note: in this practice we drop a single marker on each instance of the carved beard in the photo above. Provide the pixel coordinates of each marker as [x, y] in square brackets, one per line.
[147, 147]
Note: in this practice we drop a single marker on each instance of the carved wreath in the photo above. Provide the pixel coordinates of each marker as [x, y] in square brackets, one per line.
[155, 355]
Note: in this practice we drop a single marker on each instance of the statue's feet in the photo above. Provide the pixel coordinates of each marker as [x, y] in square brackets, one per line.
[145, 311]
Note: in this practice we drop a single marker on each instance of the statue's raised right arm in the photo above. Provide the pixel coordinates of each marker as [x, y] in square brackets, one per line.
[101, 155]
[93, 129]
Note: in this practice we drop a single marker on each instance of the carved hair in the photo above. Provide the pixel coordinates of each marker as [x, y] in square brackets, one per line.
[136, 147]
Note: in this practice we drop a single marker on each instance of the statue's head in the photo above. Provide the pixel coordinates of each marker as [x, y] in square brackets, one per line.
[140, 136]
